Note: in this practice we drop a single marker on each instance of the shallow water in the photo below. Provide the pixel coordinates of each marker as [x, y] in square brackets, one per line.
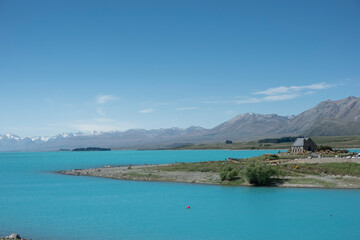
[42, 205]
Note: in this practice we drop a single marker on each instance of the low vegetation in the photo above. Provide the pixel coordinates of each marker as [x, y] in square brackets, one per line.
[211, 166]
[260, 173]
[255, 170]
[324, 148]
[311, 181]
[334, 142]
[279, 140]
[341, 169]
[271, 169]
[337, 142]
[229, 173]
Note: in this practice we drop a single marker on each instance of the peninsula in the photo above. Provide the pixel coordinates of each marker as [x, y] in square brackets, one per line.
[281, 170]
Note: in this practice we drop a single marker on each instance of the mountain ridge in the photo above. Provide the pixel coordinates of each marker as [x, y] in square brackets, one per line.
[328, 118]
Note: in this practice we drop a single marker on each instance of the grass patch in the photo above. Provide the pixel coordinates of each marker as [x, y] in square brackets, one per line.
[338, 141]
[342, 169]
[351, 180]
[280, 173]
[211, 166]
[289, 169]
[311, 181]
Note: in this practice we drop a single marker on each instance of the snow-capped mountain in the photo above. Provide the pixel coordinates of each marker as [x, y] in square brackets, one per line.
[114, 139]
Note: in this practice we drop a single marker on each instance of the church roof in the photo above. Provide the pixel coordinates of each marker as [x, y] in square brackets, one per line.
[299, 142]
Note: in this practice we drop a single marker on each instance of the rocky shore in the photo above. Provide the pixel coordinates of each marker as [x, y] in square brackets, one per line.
[12, 236]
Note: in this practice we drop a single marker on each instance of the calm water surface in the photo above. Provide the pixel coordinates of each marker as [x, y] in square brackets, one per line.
[42, 205]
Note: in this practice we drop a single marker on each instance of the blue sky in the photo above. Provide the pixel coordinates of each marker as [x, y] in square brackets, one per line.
[70, 66]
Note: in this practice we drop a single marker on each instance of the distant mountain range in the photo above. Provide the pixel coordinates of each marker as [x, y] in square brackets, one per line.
[328, 118]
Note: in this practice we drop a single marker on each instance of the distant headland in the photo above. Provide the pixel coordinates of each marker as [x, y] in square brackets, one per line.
[91, 149]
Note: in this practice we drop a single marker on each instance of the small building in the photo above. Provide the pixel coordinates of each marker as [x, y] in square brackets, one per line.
[303, 144]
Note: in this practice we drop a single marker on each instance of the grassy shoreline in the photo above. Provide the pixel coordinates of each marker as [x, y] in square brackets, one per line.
[291, 173]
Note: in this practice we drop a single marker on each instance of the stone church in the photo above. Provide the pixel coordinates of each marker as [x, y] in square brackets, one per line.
[302, 145]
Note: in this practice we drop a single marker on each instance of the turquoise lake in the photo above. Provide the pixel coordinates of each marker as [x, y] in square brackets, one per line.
[42, 205]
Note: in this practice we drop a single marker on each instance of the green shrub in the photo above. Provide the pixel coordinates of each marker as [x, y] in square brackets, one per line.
[228, 173]
[231, 175]
[259, 173]
[271, 156]
[227, 168]
[223, 175]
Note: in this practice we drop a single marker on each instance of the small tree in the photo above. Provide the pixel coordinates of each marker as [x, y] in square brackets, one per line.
[259, 173]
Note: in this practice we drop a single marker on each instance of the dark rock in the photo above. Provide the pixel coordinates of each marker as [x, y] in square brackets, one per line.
[14, 236]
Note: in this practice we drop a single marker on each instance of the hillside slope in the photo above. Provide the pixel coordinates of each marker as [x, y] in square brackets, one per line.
[327, 118]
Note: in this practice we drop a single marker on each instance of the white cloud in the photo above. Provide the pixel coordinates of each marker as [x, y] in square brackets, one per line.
[248, 100]
[185, 108]
[309, 92]
[282, 97]
[148, 110]
[284, 93]
[292, 89]
[102, 99]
